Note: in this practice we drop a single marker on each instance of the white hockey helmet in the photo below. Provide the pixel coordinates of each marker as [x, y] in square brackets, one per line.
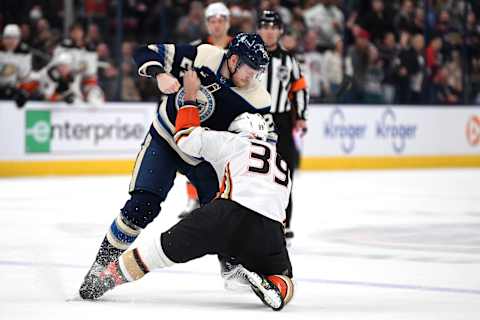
[63, 58]
[250, 124]
[11, 30]
[216, 9]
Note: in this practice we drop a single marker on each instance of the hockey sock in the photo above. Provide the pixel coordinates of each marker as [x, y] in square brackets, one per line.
[118, 238]
[131, 267]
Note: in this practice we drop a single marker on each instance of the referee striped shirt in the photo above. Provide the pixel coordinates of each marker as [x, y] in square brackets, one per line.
[286, 84]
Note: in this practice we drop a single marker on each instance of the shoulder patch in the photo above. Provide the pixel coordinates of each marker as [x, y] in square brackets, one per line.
[209, 56]
[255, 94]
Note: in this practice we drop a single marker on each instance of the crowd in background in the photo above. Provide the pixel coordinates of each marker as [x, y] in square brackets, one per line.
[396, 51]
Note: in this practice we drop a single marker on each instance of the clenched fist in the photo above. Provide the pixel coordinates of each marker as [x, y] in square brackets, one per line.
[167, 83]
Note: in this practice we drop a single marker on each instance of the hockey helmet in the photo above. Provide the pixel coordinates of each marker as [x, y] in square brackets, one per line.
[251, 50]
[250, 124]
[217, 9]
[270, 18]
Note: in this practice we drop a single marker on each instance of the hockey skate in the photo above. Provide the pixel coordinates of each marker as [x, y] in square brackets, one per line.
[233, 276]
[192, 204]
[265, 290]
[97, 283]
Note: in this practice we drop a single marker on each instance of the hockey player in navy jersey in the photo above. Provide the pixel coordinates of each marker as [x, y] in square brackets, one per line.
[229, 87]
[217, 19]
[244, 221]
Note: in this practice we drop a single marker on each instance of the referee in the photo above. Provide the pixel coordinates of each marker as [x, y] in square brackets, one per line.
[287, 87]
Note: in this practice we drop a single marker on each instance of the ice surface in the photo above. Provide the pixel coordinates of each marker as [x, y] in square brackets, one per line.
[369, 245]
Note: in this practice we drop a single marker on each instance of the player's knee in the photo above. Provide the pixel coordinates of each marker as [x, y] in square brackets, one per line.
[285, 285]
[142, 208]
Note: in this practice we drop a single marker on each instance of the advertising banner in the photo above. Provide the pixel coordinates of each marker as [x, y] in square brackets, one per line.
[387, 131]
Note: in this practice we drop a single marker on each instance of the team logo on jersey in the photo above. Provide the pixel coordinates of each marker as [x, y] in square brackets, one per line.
[205, 100]
[282, 74]
[8, 70]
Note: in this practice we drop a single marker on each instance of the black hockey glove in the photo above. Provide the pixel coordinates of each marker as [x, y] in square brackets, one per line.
[20, 97]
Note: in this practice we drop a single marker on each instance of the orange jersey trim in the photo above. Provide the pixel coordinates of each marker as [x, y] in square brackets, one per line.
[187, 117]
[29, 86]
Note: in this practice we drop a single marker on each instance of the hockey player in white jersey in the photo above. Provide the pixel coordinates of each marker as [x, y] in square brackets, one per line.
[15, 66]
[84, 66]
[243, 222]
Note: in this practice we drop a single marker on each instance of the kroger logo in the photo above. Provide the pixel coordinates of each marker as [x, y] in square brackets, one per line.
[338, 128]
[388, 128]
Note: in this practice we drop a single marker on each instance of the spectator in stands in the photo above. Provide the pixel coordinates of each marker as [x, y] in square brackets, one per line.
[377, 21]
[388, 53]
[107, 72]
[286, 15]
[289, 41]
[433, 55]
[404, 19]
[192, 26]
[416, 69]
[129, 90]
[327, 20]
[374, 77]
[334, 68]
[455, 74]
[443, 93]
[411, 71]
[43, 43]
[93, 35]
[359, 55]
[314, 75]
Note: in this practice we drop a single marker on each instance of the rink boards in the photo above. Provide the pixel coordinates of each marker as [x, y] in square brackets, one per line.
[49, 139]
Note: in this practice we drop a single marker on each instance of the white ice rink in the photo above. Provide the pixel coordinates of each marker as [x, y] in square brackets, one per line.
[369, 245]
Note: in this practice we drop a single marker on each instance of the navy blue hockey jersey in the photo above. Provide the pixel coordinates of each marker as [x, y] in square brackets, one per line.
[219, 101]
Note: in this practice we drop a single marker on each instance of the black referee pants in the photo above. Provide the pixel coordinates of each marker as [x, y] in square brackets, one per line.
[286, 148]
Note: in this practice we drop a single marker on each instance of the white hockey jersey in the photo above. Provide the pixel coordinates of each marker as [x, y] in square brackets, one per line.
[15, 66]
[250, 171]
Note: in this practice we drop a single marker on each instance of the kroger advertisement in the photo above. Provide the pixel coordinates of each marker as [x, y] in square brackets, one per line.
[67, 132]
[386, 131]
[44, 131]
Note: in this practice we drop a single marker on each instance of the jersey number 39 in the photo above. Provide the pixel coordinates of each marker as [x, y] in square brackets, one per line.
[266, 162]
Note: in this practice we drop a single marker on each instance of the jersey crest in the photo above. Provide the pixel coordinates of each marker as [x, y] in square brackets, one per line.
[205, 100]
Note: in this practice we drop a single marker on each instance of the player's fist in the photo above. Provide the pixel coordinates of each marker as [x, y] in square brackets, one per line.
[167, 83]
[191, 84]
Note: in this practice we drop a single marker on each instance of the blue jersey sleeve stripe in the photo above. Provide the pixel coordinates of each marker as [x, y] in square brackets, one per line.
[151, 53]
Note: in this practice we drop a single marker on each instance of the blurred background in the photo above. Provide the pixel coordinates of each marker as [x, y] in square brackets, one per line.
[413, 66]
[398, 51]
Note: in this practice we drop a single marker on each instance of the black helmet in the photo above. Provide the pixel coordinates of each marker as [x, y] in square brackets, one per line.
[250, 49]
[271, 18]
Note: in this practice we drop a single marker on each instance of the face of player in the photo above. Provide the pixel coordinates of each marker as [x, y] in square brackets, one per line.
[270, 35]
[217, 26]
[11, 43]
[64, 70]
[244, 74]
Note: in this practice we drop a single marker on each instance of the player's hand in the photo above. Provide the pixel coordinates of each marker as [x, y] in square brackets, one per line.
[167, 83]
[302, 126]
[191, 85]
